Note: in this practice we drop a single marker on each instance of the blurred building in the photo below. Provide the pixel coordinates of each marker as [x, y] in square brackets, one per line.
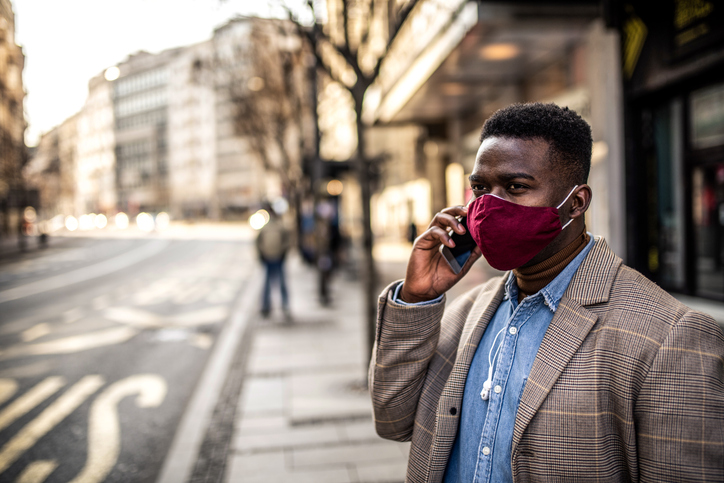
[673, 77]
[12, 124]
[52, 170]
[141, 95]
[95, 169]
[162, 132]
[455, 63]
[648, 77]
[192, 146]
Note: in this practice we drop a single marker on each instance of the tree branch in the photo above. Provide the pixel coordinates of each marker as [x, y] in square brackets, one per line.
[345, 20]
[404, 13]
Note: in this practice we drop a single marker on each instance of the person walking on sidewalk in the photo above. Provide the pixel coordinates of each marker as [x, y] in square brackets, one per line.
[569, 367]
[272, 245]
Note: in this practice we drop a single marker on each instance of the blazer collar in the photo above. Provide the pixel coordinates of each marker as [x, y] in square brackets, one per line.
[592, 282]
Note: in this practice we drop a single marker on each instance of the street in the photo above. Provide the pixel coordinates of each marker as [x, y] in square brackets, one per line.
[102, 343]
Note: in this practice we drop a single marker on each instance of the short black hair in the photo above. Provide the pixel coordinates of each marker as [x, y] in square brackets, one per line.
[565, 131]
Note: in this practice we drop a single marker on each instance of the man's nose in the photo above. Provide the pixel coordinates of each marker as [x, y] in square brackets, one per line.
[498, 191]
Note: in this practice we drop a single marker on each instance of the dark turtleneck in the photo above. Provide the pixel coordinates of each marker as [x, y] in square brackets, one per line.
[532, 279]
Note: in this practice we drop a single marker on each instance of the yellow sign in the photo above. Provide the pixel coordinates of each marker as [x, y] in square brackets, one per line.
[635, 32]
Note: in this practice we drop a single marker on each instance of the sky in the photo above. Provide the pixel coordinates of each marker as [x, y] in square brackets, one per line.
[67, 42]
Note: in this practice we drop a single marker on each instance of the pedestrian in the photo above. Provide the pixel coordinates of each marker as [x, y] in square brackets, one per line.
[570, 366]
[272, 245]
[327, 241]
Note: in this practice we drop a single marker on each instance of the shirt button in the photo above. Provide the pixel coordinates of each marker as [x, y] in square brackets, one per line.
[486, 451]
[497, 389]
[545, 302]
[513, 330]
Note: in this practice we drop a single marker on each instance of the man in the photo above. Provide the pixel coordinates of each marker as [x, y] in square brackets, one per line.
[272, 245]
[570, 367]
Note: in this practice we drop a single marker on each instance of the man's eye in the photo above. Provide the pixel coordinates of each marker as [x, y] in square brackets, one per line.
[516, 186]
[477, 187]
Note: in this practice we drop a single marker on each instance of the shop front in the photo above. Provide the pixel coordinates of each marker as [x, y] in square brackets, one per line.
[485, 56]
[674, 104]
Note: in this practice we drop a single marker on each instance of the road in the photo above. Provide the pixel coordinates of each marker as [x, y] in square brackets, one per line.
[102, 343]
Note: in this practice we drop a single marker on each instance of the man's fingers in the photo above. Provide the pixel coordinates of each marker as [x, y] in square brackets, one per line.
[433, 237]
[448, 219]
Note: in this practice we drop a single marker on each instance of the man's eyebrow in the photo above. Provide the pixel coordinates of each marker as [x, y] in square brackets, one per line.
[504, 176]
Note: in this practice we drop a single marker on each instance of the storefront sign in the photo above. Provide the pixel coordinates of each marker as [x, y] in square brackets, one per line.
[696, 25]
[707, 117]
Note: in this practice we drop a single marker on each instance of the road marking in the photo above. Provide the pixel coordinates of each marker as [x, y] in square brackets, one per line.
[87, 273]
[184, 451]
[34, 369]
[48, 419]
[35, 332]
[149, 320]
[37, 471]
[104, 433]
[25, 403]
[8, 388]
[68, 345]
[73, 315]
[101, 302]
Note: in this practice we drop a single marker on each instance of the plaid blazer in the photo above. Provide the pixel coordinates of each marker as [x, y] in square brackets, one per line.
[628, 383]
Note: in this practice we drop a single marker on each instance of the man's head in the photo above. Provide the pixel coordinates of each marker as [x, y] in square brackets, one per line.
[567, 134]
[534, 155]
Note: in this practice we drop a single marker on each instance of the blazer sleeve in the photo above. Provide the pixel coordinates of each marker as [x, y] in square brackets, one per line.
[680, 408]
[405, 341]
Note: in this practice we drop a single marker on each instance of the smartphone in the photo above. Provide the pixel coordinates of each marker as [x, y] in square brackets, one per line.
[464, 244]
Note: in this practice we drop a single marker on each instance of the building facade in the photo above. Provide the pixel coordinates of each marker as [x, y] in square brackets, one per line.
[455, 63]
[673, 75]
[161, 132]
[141, 95]
[12, 124]
[52, 170]
[95, 167]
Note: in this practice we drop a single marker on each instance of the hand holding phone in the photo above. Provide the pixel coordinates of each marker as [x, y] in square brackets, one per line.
[457, 256]
[429, 273]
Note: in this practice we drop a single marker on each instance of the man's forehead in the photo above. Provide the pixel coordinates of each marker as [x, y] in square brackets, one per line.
[513, 149]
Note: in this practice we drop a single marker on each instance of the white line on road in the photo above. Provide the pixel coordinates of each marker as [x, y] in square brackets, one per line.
[72, 344]
[37, 471]
[8, 388]
[47, 420]
[182, 456]
[104, 431]
[25, 403]
[87, 273]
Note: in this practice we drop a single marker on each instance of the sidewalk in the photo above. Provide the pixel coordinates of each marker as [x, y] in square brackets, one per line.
[304, 413]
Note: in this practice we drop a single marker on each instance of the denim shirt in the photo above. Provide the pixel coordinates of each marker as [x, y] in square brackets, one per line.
[482, 449]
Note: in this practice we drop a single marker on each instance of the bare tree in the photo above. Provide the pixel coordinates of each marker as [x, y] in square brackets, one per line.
[270, 100]
[351, 49]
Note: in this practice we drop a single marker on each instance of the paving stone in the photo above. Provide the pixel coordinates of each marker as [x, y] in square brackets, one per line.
[272, 468]
[255, 424]
[263, 395]
[378, 473]
[287, 438]
[328, 396]
[379, 452]
[269, 464]
[360, 431]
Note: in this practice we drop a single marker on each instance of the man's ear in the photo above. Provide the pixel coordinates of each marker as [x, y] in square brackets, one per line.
[581, 201]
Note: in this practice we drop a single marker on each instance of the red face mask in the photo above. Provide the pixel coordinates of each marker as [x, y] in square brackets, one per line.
[510, 235]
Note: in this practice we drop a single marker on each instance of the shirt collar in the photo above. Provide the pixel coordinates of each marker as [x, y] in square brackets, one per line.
[553, 292]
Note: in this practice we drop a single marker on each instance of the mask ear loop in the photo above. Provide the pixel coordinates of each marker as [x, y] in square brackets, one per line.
[569, 195]
[563, 202]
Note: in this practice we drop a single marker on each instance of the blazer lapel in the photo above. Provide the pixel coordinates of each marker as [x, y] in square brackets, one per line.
[569, 327]
[452, 393]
